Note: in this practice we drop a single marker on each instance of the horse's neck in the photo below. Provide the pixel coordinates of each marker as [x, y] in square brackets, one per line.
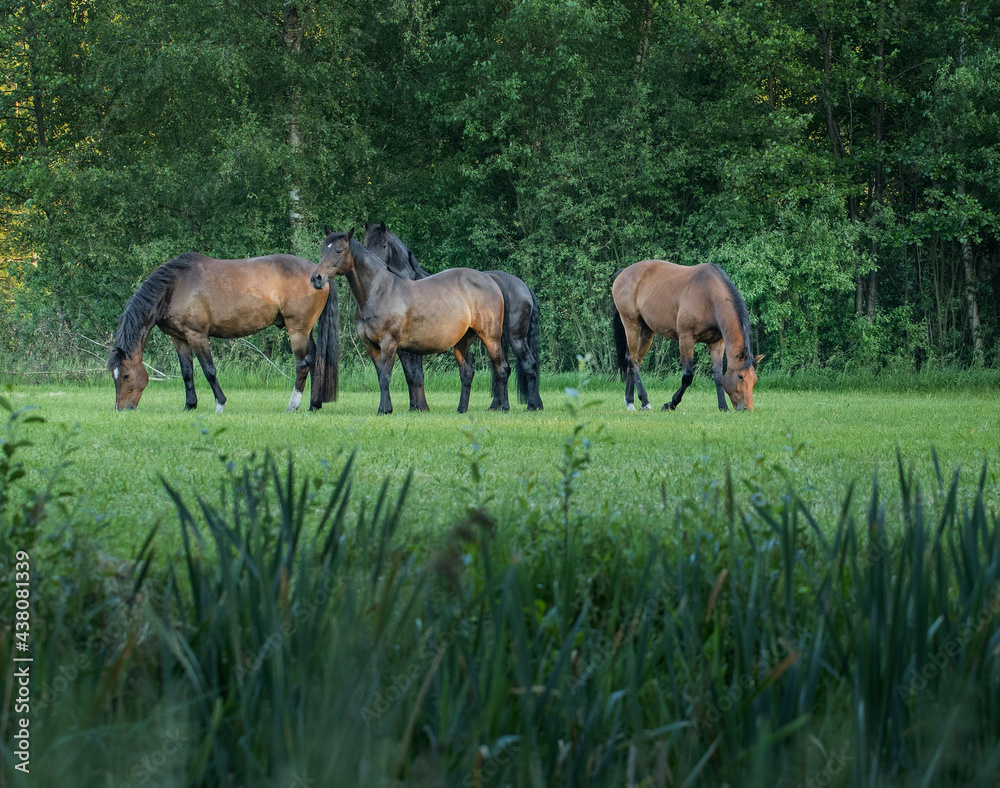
[732, 335]
[365, 278]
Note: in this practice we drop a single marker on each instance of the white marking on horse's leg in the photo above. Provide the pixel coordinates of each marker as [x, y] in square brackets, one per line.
[647, 407]
[218, 407]
[295, 401]
[629, 405]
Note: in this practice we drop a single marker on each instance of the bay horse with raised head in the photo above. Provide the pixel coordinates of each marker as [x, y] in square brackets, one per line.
[431, 315]
[691, 304]
[520, 319]
[193, 297]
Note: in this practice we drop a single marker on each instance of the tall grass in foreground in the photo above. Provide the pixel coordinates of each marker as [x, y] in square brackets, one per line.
[290, 643]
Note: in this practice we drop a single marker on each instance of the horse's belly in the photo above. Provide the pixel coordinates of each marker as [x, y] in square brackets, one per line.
[426, 336]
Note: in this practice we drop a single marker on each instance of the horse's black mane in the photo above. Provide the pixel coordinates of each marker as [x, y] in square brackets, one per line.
[145, 307]
[746, 354]
[378, 234]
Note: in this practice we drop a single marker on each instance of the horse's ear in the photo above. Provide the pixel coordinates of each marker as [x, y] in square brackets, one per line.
[350, 234]
[367, 225]
[381, 226]
[326, 231]
[757, 359]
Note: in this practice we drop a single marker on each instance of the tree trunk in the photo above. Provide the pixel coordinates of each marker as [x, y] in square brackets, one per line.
[978, 352]
[292, 36]
[878, 182]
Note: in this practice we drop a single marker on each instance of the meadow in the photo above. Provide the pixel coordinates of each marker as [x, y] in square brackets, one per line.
[579, 596]
[641, 464]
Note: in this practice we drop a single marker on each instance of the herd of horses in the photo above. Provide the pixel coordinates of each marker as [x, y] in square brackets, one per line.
[401, 310]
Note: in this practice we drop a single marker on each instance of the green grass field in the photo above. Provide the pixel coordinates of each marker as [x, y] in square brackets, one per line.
[619, 618]
[641, 464]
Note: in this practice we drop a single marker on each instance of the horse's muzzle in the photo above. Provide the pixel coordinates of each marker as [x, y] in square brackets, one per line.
[318, 281]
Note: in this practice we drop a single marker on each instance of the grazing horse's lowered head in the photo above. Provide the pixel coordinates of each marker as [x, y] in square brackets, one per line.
[738, 383]
[130, 378]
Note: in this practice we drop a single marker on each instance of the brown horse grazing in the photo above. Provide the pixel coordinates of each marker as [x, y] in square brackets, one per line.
[520, 319]
[691, 304]
[425, 316]
[193, 297]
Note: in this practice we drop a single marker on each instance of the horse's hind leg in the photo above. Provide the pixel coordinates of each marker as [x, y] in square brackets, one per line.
[304, 350]
[527, 371]
[501, 374]
[686, 343]
[718, 351]
[640, 337]
[413, 371]
[199, 344]
[187, 372]
[465, 371]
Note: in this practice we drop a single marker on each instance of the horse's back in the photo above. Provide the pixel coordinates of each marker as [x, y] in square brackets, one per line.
[239, 297]
[668, 297]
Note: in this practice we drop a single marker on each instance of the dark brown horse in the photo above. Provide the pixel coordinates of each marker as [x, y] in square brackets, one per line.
[193, 297]
[446, 310]
[520, 319]
[691, 304]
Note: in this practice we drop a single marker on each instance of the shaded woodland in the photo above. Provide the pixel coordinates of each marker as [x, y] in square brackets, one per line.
[839, 159]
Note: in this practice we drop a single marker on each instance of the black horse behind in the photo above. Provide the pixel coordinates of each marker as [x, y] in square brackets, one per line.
[520, 321]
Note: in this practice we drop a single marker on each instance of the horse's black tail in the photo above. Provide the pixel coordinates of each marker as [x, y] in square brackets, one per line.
[534, 348]
[326, 368]
[621, 341]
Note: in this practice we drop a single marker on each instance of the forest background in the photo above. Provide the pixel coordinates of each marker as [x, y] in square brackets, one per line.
[840, 159]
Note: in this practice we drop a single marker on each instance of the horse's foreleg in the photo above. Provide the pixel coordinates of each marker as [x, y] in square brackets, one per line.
[386, 356]
[465, 372]
[413, 371]
[202, 350]
[187, 372]
[304, 350]
[718, 351]
[687, 371]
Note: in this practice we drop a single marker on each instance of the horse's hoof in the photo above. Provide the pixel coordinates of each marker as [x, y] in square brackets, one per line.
[219, 407]
[668, 406]
[629, 406]
[191, 407]
[647, 407]
[315, 405]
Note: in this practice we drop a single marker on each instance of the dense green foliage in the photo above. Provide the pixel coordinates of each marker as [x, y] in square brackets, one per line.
[297, 639]
[839, 158]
